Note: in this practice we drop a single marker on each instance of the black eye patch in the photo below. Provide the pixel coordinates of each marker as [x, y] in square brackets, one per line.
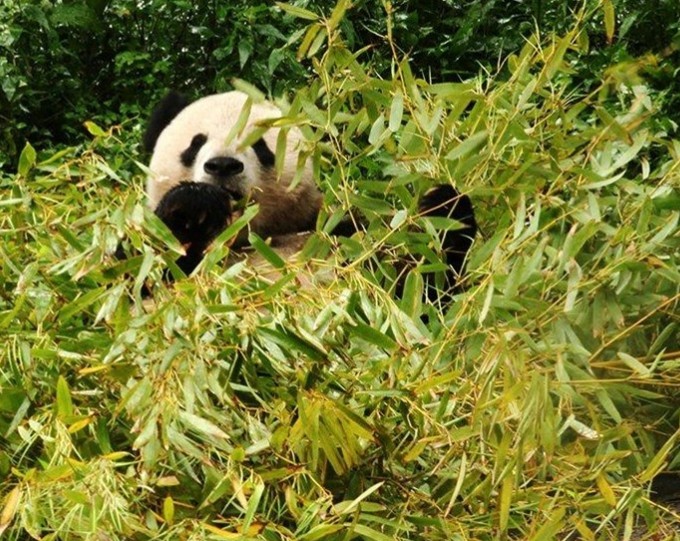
[264, 155]
[188, 157]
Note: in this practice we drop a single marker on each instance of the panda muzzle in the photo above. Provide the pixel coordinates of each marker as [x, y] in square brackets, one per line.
[223, 167]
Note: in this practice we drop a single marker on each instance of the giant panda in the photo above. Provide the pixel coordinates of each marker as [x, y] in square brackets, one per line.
[195, 178]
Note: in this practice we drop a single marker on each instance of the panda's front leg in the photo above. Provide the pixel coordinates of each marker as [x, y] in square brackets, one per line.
[196, 213]
[447, 202]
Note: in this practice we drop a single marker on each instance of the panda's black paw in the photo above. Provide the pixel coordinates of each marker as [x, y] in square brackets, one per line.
[196, 213]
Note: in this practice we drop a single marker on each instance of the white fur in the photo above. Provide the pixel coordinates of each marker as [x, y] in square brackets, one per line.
[282, 210]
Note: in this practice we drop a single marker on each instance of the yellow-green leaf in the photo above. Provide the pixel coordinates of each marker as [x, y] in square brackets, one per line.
[168, 510]
[64, 404]
[396, 112]
[266, 251]
[469, 145]
[10, 508]
[338, 13]
[507, 489]
[550, 528]
[609, 19]
[94, 129]
[26, 160]
[241, 122]
[298, 12]
[306, 43]
[606, 490]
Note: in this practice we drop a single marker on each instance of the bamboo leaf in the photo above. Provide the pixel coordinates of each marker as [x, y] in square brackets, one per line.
[550, 527]
[64, 404]
[298, 12]
[468, 146]
[609, 19]
[266, 252]
[396, 112]
[27, 160]
[9, 508]
[253, 504]
[507, 488]
[194, 422]
[168, 510]
[370, 533]
[606, 490]
[240, 123]
[93, 129]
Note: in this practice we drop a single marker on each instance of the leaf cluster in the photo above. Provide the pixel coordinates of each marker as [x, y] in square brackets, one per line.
[244, 405]
[107, 60]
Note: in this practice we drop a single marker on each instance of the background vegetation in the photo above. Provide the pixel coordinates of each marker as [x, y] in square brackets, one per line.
[65, 61]
[539, 405]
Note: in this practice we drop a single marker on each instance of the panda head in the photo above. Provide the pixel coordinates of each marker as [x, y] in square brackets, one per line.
[189, 143]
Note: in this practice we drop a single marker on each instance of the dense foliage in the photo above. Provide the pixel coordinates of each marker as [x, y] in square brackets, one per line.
[62, 62]
[238, 405]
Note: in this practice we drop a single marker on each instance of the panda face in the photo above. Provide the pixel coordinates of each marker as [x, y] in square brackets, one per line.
[189, 143]
[209, 161]
[237, 172]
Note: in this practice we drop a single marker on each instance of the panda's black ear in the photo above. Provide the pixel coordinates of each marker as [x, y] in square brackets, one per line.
[168, 108]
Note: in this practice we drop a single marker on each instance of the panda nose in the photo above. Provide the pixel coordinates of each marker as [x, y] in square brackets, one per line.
[223, 167]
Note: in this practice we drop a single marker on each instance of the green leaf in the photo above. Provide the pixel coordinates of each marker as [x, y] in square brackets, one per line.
[298, 12]
[609, 19]
[168, 510]
[306, 43]
[377, 130]
[396, 112]
[373, 336]
[93, 129]
[551, 527]
[255, 95]
[347, 507]
[471, 144]
[201, 425]
[240, 123]
[64, 404]
[321, 531]
[292, 342]
[507, 490]
[338, 13]
[370, 533]
[237, 225]
[253, 504]
[26, 160]
[316, 44]
[266, 252]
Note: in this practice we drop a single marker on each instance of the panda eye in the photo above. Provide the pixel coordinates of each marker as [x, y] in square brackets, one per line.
[188, 156]
[198, 140]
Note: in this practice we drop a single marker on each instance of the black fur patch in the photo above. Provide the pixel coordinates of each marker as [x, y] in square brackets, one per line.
[188, 157]
[196, 213]
[445, 201]
[266, 156]
[168, 108]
